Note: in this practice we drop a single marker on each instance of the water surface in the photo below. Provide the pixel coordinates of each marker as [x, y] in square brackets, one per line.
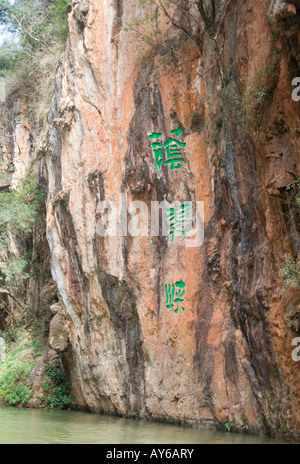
[26, 426]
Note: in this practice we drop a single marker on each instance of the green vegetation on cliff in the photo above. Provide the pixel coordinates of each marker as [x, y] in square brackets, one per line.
[290, 274]
[20, 210]
[57, 389]
[15, 388]
[18, 381]
[29, 61]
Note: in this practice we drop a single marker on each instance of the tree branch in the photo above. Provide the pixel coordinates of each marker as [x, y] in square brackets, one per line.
[208, 19]
[178, 26]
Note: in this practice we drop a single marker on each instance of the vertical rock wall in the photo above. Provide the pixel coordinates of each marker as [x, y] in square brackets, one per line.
[227, 358]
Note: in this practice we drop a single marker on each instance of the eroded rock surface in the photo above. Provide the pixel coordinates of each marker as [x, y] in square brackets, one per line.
[227, 357]
[59, 333]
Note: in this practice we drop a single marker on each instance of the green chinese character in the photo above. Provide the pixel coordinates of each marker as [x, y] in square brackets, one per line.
[172, 147]
[157, 148]
[177, 132]
[170, 295]
[174, 295]
[174, 156]
[178, 220]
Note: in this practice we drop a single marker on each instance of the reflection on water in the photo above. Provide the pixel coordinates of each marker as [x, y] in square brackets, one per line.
[25, 426]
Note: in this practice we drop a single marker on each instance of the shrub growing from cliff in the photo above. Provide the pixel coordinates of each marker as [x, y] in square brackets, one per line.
[294, 189]
[57, 389]
[29, 62]
[15, 388]
[36, 22]
[23, 354]
[260, 89]
[290, 274]
[20, 211]
[186, 17]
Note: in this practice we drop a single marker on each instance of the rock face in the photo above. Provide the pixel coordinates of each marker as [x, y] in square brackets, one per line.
[59, 334]
[282, 8]
[225, 355]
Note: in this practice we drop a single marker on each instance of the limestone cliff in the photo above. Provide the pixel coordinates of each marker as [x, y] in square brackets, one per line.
[225, 79]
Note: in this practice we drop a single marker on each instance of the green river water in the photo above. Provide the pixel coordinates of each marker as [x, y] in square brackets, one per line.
[25, 426]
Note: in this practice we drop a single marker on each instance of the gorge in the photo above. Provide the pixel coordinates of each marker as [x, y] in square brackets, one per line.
[138, 83]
